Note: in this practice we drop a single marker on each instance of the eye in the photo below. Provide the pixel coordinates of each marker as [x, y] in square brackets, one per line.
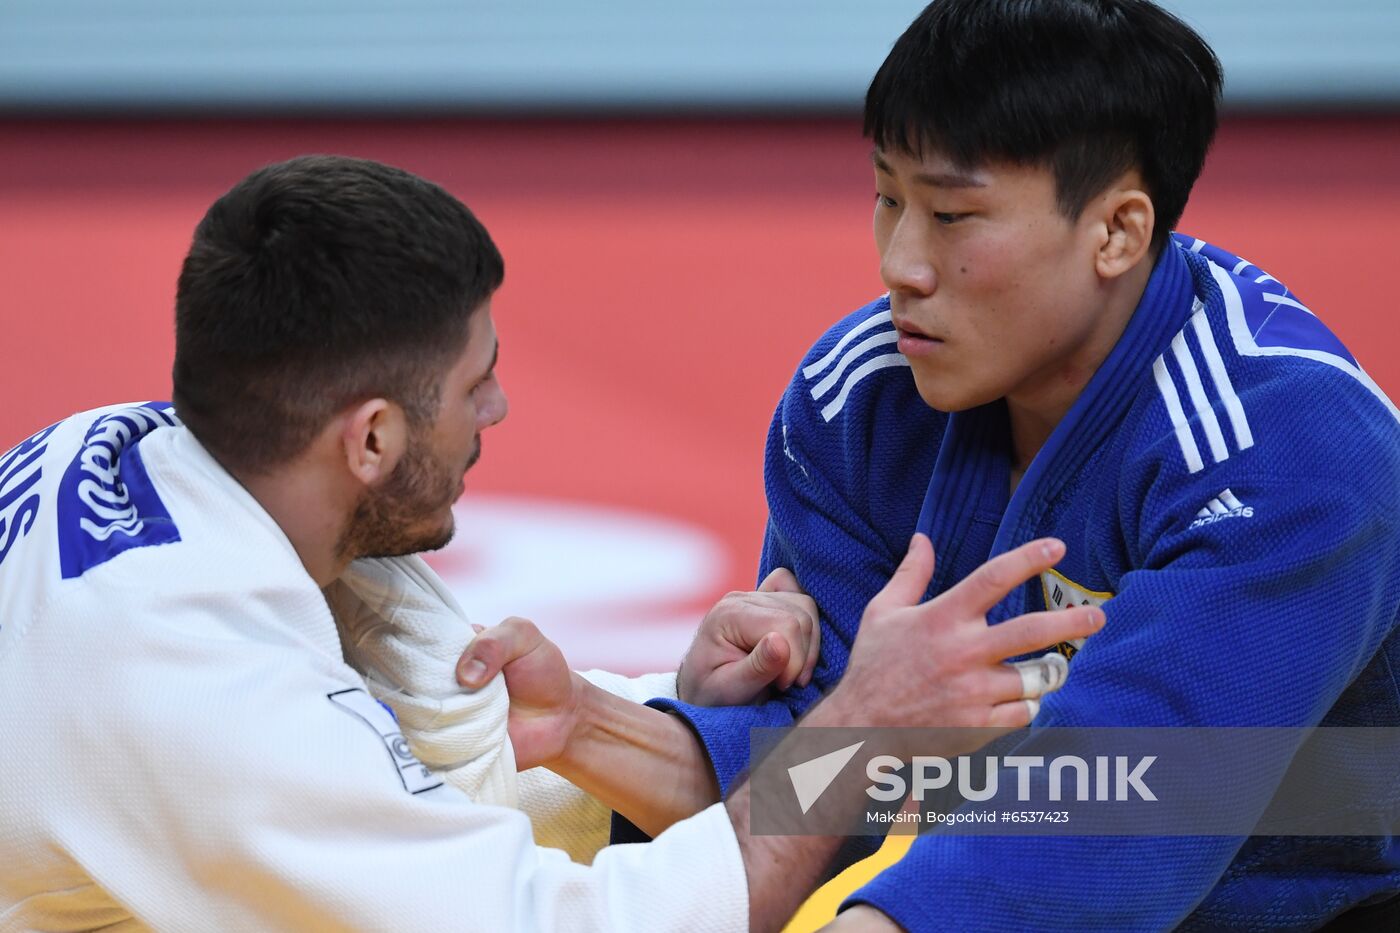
[947, 219]
[883, 201]
[485, 381]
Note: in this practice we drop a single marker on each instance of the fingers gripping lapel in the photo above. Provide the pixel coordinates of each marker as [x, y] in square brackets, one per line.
[403, 631]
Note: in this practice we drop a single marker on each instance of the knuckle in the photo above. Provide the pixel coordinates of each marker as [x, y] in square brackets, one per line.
[768, 608]
[1028, 628]
[786, 619]
[874, 609]
[724, 606]
[758, 620]
[978, 716]
[997, 576]
[791, 603]
[487, 650]
[996, 685]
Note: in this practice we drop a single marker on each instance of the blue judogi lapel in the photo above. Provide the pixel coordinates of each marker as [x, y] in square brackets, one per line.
[972, 474]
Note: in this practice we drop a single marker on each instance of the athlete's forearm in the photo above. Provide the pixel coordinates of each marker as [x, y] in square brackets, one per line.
[784, 869]
[645, 764]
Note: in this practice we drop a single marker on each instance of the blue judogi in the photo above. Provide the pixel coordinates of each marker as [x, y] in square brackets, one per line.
[1228, 485]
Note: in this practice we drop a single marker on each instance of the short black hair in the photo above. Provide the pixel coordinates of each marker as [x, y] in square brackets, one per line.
[1089, 88]
[317, 283]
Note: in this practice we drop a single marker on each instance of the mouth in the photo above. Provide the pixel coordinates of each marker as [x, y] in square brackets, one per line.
[914, 342]
[471, 462]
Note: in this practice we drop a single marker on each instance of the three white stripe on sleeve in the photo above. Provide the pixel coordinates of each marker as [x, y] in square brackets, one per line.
[843, 358]
[1203, 395]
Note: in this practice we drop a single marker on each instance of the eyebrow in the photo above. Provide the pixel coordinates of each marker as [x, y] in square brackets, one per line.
[933, 179]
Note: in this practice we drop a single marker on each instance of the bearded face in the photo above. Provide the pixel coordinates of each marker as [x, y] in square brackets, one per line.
[412, 510]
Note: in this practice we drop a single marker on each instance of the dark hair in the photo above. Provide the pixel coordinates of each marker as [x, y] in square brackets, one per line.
[317, 283]
[1089, 88]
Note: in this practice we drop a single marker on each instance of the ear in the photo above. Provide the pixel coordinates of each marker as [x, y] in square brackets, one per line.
[373, 437]
[1126, 235]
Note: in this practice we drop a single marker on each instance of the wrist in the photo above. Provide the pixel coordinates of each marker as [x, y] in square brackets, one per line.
[842, 708]
[581, 719]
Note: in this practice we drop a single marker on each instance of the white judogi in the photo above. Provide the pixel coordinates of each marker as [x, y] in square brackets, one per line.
[402, 631]
[183, 745]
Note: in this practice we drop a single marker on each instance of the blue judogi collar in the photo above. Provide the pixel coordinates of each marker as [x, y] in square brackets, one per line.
[966, 511]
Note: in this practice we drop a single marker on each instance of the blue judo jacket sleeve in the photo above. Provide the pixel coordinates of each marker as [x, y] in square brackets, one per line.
[832, 521]
[834, 567]
[1261, 621]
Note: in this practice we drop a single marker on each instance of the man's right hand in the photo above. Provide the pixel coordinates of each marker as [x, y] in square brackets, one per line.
[939, 663]
[933, 664]
[545, 695]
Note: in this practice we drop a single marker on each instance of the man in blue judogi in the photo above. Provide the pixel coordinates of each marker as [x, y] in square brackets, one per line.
[1050, 360]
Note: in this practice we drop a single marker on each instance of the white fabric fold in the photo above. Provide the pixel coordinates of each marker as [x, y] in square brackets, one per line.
[403, 631]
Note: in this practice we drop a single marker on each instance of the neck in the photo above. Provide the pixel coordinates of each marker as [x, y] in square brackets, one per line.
[1036, 408]
[299, 502]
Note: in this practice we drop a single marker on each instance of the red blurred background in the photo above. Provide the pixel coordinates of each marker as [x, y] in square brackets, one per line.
[663, 279]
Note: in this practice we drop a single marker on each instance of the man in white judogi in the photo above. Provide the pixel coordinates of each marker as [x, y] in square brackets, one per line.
[227, 692]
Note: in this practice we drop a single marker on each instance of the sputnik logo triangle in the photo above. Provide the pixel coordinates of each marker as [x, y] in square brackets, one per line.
[811, 778]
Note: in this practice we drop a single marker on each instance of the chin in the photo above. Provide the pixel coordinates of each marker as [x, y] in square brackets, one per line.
[441, 537]
[942, 397]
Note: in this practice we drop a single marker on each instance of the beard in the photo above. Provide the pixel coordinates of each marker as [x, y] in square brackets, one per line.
[402, 516]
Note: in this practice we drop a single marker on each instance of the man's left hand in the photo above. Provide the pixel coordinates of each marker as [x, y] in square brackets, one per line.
[751, 645]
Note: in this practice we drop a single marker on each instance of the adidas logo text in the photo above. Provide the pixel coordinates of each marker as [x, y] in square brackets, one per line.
[1220, 508]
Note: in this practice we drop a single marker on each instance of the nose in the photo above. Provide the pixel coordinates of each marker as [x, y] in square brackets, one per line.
[906, 259]
[493, 409]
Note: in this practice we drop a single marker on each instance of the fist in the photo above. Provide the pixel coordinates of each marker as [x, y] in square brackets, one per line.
[544, 692]
[751, 646]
